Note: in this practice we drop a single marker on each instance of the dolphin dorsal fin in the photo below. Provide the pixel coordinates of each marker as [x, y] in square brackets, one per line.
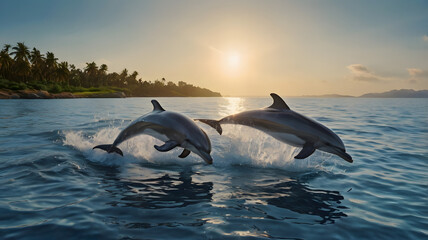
[278, 103]
[157, 106]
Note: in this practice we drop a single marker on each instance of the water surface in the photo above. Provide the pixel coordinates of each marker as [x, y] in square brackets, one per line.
[53, 185]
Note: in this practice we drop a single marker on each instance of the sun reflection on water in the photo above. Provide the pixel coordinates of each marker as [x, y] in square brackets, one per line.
[232, 105]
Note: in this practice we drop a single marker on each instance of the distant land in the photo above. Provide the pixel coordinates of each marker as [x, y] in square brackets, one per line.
[401, 93]
[328, 96]
[30, 74]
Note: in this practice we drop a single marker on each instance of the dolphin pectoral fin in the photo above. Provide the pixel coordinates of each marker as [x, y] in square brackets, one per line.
[307, 151]
[212, 123]
[109, 148]
[184, 154]
[167, 146]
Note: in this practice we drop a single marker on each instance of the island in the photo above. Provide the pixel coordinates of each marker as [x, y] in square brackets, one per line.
[399, 93]
[26, 73]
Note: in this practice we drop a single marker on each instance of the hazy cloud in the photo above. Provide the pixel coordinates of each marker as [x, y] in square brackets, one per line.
[360, 72]
[425, 38]
[417, 75]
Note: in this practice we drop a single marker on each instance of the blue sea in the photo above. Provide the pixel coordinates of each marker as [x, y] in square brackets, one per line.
[54, 186]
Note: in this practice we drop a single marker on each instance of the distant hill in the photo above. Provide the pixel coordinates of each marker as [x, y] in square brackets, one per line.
[328, 96]
[402, 93]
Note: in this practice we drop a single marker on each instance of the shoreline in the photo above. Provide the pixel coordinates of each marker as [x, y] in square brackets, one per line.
[41, 94]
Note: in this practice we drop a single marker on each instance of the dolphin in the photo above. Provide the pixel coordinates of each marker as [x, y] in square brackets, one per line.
[175, 129]
[288, 126]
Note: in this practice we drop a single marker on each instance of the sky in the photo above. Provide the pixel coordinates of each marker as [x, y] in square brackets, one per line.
[237, 48]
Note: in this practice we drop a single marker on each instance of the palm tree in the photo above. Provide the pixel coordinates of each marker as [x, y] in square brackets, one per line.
[21, 55]
[37, 64]
[6, 47]
[91, 71]
[75, 76]
[103, 74]
[132, 79]
[113, 79]
[50, 66]
[62, 72]
[91, 68]
[103, 68]
[6, 62]
[122, 78]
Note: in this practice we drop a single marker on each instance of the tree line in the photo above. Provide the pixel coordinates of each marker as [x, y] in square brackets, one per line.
[22, 68]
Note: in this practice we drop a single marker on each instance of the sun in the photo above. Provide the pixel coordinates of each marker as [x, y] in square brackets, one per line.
[233, 60]
[232, 63]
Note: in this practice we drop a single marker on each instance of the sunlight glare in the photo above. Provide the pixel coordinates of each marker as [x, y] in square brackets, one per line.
[233, 105]
[234, 60]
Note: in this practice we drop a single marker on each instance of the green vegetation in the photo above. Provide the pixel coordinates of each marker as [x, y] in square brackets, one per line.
[58, 88]
[22, 69]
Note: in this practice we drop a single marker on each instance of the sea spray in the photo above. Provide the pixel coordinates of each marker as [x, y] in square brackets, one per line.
[239, 145]
[137, 149]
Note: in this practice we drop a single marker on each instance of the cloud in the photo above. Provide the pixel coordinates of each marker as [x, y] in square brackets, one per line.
[360, 72]
[216, 50]
[425, 38]
[417, 75]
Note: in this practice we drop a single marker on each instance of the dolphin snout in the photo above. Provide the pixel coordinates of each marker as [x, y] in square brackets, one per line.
[347, 157]
[337, 151]
[341, 153]
[206, 156]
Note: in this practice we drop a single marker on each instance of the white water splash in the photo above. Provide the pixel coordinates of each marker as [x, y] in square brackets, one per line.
[137, 149]
[247, 146]
[238, 145]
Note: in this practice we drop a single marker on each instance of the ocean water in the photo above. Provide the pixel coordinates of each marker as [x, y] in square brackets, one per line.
[54, 186]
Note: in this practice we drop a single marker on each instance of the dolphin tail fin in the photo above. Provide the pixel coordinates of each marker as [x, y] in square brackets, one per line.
[110, 148]
[213, 123]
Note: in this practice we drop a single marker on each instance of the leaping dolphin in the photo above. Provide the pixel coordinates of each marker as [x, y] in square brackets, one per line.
[288, 126]
[175, 129]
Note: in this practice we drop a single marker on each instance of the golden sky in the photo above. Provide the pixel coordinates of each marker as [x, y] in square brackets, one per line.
[238, 48]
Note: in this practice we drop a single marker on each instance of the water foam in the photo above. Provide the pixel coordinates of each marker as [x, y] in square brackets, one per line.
[247, 146]
[137, 149]
[239, 145]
